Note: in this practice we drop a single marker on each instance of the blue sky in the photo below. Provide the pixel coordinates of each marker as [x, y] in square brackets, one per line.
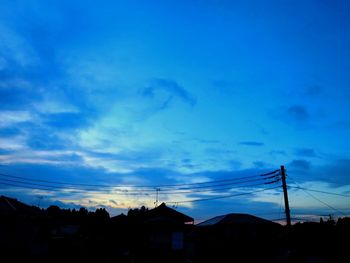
[176, 92]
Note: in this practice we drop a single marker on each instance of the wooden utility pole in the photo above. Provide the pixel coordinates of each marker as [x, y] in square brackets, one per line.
[285, 193]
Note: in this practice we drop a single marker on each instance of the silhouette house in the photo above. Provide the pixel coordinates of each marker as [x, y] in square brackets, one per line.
[19, 228]
[161, 235]
[234, 218]
[235, 236]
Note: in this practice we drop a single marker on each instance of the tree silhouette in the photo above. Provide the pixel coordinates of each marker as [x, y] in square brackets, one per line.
[137, 212]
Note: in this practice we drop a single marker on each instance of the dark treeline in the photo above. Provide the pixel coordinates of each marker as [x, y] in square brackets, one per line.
[30, 234]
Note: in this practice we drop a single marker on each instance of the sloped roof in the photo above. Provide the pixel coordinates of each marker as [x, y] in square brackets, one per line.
[13, 206]
[234, 218]
[121, 219]
[164, 212]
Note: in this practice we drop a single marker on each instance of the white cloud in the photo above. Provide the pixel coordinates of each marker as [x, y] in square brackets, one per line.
[14, 83]
[52, 106]
[17, 47]
[3, 63]
[111, 165]
[8, 118]
[25, 155]
[13, 143]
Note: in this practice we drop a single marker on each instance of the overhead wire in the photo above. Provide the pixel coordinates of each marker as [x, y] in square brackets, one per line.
[216, 189]
[322, 202]
[140, 186]
[319, 191]
[70, 189]
[124, 192]
[212, 185]
[219, 197]
[317, 199]
[190, 188]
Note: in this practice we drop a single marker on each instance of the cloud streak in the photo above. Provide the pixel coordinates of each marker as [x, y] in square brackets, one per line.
[9, 118]
[298, 113]
[166, 90]
[305, 152]
[300, 165]
[252, 143]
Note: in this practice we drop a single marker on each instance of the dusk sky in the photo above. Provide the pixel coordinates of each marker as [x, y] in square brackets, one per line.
[151, 93]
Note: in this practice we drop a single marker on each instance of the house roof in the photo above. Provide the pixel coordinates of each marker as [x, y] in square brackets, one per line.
[121, 219]
[164, 212]
[234, 218]
[13, 206]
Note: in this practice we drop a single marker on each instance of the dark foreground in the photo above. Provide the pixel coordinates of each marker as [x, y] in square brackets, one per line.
[29, 234]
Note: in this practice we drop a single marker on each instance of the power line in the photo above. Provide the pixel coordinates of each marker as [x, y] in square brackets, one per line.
[28, 187]
[42, 185]
[227, 180]
[220, 197]
[124, 192]
[317, 199]
[225, 184]
[314, 197]
[319, 191]
[139, 186]
[210, 186]
[71, 190]
[215, 189]
[51, 184]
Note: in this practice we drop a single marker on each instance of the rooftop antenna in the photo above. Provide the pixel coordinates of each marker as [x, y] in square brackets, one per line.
[157, 192]
[40, 197]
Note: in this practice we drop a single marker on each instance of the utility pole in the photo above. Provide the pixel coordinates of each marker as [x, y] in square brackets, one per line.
[285, 193]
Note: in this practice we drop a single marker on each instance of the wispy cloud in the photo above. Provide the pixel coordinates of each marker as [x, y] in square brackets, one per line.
[54, 106]
[235, 164]
[297, 113]
[278, 152]
[9, 118]
[344, 125]
[252, 143]
[166, 90]
[12, 81]
[260, 164]
[334, 172]
[17, 47]
[39, 157]
[313, 91]
[300, 165]
[305, 152]
[207, 141]
[13, 143]
[226, 88]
